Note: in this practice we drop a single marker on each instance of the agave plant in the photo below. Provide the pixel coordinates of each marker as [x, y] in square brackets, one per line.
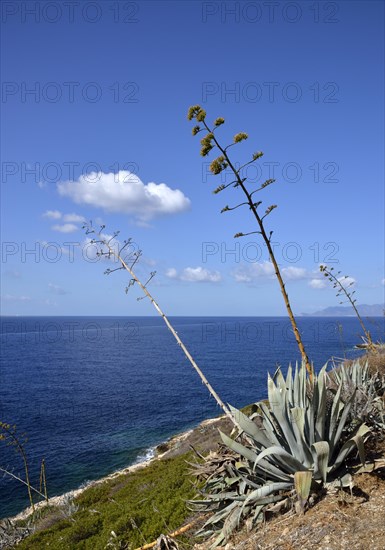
[368, 406]
[296, 441]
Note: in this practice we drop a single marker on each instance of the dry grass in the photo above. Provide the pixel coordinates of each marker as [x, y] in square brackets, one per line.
[376, 360]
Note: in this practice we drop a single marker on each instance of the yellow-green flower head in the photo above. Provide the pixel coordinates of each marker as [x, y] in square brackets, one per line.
[215, 167]
[219, 121]
[206, 149]
[193, 111]
[201, 115]
[239, 137]
[219, 189]
[207, 139]
[257, 155]
[195, 130]
[218, 165]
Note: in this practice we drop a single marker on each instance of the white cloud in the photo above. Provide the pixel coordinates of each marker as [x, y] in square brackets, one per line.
[48, 302]
[73, 218]
[322, 282]
[194, 275]
[124, 192]
[265, 270]
[69, 219]
[250, 272]
[172, 273]
[11, 298]
[294, 273]
[347, 281]
[52, 214]
[383, 282]
[55, 289]
[65, 228]
[242, 277]
[317, 283]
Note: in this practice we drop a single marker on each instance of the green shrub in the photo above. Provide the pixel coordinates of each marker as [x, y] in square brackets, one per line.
[84, 528]
[95, 494]
[138, 507]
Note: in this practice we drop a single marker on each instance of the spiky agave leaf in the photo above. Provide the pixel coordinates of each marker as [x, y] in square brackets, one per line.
[265, 469]
[321, 453]
[293, 441]
[302, 485]
[369, 407]
[356, 441]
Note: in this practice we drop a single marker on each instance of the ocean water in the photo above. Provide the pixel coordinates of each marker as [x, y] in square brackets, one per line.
[97, 394]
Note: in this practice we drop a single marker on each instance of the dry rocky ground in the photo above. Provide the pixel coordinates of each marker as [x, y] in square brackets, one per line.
[338, 521]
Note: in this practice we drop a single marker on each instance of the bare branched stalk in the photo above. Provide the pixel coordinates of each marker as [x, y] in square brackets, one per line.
[117, 254]
[176, 533]
[31, 487]
[43, 480]
[222, 163]
[9, 433]
[342, 291]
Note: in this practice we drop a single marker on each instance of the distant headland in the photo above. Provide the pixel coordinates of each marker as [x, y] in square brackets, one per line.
[375, 310]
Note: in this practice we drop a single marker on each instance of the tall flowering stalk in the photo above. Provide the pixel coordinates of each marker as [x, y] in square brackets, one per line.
[109, 247]
[9, 436]
[342, 290]
[223, 162]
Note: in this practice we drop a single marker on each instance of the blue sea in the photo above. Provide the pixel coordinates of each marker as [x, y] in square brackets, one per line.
[96, 394]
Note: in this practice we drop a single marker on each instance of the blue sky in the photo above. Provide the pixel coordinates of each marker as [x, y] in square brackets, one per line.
[94, 104]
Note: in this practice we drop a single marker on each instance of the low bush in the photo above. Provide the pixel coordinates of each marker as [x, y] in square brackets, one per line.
[138, 507]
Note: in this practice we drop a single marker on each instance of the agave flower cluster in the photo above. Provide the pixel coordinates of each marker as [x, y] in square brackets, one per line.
[297, 440]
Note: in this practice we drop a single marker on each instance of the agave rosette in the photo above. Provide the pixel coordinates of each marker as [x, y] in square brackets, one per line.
[297, 439]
